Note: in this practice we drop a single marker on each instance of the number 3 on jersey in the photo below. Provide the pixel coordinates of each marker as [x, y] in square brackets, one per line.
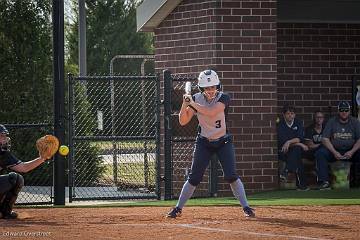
[218, 124]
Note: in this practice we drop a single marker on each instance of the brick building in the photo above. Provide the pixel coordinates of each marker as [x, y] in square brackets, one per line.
[267, 53]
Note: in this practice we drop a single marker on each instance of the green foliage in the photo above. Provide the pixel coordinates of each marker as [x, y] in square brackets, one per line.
[25, 56]
[111, 30]
[88, 165]
[26, 76]
[87, 162]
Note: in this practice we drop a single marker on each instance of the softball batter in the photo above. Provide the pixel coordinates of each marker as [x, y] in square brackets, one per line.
[210, 106]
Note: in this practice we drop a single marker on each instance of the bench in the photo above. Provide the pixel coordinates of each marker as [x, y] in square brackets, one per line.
[310, 174]
[339, 175]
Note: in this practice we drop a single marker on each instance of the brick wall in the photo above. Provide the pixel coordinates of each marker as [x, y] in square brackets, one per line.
[185, 40]
[238, 38]
[315, 65]
[246, 56]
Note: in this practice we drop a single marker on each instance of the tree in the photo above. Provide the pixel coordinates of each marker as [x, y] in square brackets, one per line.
[25, 56]
[26, 75]
[87, 161]
[111, 30]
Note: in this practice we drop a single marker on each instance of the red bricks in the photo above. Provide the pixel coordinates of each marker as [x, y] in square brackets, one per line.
[315, 65]
[238, 38]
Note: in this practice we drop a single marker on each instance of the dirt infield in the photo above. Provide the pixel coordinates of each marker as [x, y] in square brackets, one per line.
[196, 223]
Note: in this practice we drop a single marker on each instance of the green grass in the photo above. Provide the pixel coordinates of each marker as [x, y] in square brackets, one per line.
[124, 145]
[273, 198]
[130, 173]
[313, 197]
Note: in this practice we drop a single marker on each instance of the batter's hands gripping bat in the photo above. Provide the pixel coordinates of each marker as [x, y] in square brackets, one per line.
[187, 95]
[47, 146]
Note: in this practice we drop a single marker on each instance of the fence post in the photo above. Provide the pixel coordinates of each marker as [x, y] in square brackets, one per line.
[158, 138]
[70, 138]
[167, 135]
[59, 98]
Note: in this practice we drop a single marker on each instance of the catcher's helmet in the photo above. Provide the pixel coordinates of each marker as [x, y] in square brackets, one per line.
[3, 130]
[208, 78]
[6, 144]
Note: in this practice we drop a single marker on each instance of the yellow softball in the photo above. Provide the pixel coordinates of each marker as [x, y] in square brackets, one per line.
[64, 150]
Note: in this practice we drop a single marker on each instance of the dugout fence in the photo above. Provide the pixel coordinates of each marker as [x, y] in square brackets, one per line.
[122, 145]
[114, 134]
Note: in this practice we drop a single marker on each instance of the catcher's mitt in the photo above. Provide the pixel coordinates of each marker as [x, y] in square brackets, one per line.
[47, 146]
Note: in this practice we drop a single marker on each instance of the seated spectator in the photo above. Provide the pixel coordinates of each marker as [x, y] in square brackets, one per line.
[340, 142]
[290, 133]
[313, 135]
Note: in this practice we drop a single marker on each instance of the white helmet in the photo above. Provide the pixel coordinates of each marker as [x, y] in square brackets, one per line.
[208, 78]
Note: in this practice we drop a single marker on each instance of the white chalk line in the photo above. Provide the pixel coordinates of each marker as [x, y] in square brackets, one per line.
[194, 226]
[322, 212]
[249, 233]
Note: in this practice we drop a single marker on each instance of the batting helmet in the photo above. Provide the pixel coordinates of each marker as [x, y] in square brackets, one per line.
[208, 78]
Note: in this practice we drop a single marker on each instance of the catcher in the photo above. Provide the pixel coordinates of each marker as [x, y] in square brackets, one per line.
[11, 183]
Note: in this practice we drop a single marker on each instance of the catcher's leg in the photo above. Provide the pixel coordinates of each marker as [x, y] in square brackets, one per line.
[5, 186]
[16, 182]
[2, 196]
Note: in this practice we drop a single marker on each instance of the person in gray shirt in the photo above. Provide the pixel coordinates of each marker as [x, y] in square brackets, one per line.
[341, 142]
[210, 106]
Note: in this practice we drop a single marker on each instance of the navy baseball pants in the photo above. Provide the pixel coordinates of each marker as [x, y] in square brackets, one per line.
[323, 157]
[204, 149]
[10, 186]
[294, 164]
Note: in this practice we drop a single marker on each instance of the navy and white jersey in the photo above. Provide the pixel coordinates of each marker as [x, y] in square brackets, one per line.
[8, 160]
[212, 127]
[312, 135]
[285, 132]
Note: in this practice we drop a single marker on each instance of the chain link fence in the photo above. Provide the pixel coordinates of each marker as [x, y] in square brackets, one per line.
[38, 182]
[114, 136]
